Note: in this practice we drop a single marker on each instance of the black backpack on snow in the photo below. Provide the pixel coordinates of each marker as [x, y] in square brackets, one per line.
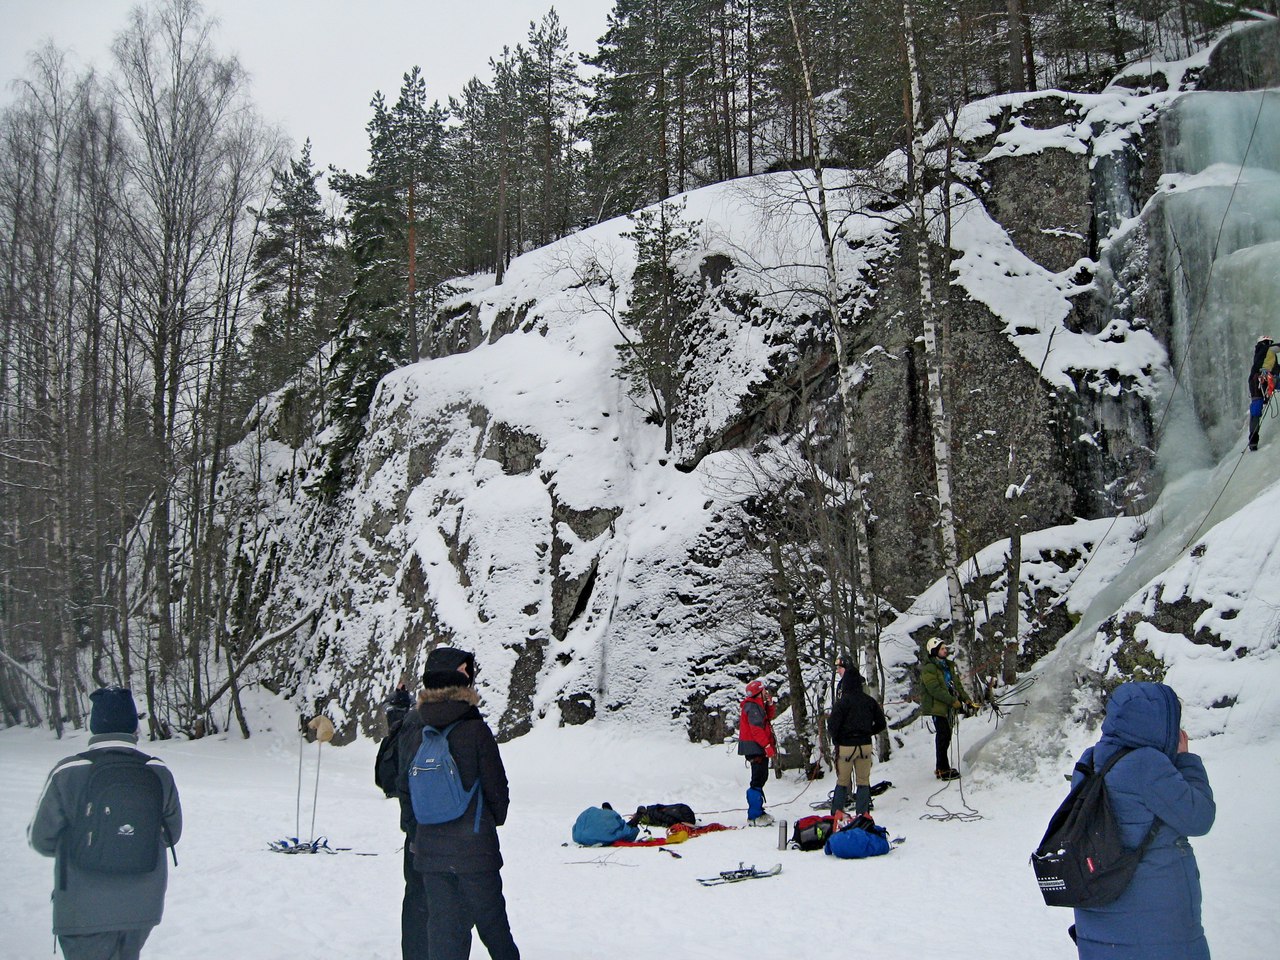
[812, 832]
[663, 815]
[1081, 861]
[119, 820]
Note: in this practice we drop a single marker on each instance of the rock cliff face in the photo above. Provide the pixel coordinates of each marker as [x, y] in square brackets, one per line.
[513, 499]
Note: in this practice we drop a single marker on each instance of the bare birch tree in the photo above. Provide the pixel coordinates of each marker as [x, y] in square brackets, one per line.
[864, 638]
[940, 422]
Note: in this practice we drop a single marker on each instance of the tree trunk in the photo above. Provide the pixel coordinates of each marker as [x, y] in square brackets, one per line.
[865, 637]
[790, 648]
[1028, 52]
[1017, 75]
[413, 276]
[863, 580]
[1009, 664]
[500, 233]
[1009, 661]
[940, 420]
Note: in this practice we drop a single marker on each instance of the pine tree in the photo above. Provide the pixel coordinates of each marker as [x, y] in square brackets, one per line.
[476, 158]
[551, 96]
[630, 108]
[292, 260]
[403, 245]
[662, 299]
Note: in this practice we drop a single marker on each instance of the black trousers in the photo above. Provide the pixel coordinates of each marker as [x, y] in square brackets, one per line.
[413, 913]
[115, 945]
[942, 741]
[759, 772]
[458, 901]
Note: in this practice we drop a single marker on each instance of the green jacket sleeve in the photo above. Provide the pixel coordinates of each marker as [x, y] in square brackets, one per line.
[935, 686]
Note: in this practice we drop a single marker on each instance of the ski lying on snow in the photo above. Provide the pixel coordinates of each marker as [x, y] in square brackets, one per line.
[742, 873]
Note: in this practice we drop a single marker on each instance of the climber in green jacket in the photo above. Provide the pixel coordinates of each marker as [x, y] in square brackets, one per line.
[941, 697]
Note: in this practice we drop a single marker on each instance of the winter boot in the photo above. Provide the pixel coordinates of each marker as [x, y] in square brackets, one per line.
[764, 820]
[862, 799]
[950, 773]
[839, 799]
[755, 804]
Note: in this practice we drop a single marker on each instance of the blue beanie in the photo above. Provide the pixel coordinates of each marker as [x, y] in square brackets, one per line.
[113, 711]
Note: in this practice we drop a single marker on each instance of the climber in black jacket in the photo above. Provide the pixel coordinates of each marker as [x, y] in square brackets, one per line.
[855, 718]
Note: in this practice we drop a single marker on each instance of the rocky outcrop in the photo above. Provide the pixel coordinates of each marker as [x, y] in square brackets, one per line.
[1248, 59]
[512, 498]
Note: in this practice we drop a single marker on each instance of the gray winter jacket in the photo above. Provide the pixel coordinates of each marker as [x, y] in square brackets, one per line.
[96, 902]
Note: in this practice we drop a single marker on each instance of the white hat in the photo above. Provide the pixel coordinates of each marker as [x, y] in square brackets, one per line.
[931, 647]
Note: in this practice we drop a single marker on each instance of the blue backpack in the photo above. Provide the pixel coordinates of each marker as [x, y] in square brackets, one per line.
[599, 827]
[855, 843]
[435, 786]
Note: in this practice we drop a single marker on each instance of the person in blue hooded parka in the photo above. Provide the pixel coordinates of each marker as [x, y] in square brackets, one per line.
[1158, 916]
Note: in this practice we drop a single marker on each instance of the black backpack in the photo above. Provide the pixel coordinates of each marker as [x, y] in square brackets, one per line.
[119, 820]
[811, 833]
[663, 815]
[1081, 861]
[386, 767]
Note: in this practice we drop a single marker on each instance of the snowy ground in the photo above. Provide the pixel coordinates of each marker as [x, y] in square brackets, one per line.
[959, 889]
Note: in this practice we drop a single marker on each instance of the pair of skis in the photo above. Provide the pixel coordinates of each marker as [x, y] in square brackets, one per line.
[742, 873]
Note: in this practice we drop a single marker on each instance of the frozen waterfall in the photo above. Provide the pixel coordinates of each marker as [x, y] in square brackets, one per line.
[1218, 206]
[1221, 201]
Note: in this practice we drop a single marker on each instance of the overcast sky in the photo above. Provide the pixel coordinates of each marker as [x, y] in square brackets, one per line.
[315, 64]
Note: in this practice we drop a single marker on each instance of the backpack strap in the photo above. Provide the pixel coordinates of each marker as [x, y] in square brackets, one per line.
[1106, 767]
[64, 853]
[1155, 821]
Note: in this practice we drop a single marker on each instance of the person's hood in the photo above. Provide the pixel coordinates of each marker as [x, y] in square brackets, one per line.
[1144, 715]
[851, 682]
[104, 740]
[443, 706]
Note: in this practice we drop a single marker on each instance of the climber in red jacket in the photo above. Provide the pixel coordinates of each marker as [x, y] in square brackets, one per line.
[757, 743]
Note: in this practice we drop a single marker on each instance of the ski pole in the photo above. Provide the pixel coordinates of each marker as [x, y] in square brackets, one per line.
[323, 728]
[297, 800]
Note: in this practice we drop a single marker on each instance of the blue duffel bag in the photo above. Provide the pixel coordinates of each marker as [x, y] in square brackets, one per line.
[601, 826]
[855, 843]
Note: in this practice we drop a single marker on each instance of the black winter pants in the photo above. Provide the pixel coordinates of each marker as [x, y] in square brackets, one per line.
[114, 945]
[942, 741]
[458, 901]
[759, 772]
[413, 912]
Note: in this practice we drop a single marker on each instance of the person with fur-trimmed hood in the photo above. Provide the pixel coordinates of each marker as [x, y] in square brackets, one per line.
[460, 861]
[855, 718]
[413, 905]
[100, 915]
[756, 742]
[941, 697]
